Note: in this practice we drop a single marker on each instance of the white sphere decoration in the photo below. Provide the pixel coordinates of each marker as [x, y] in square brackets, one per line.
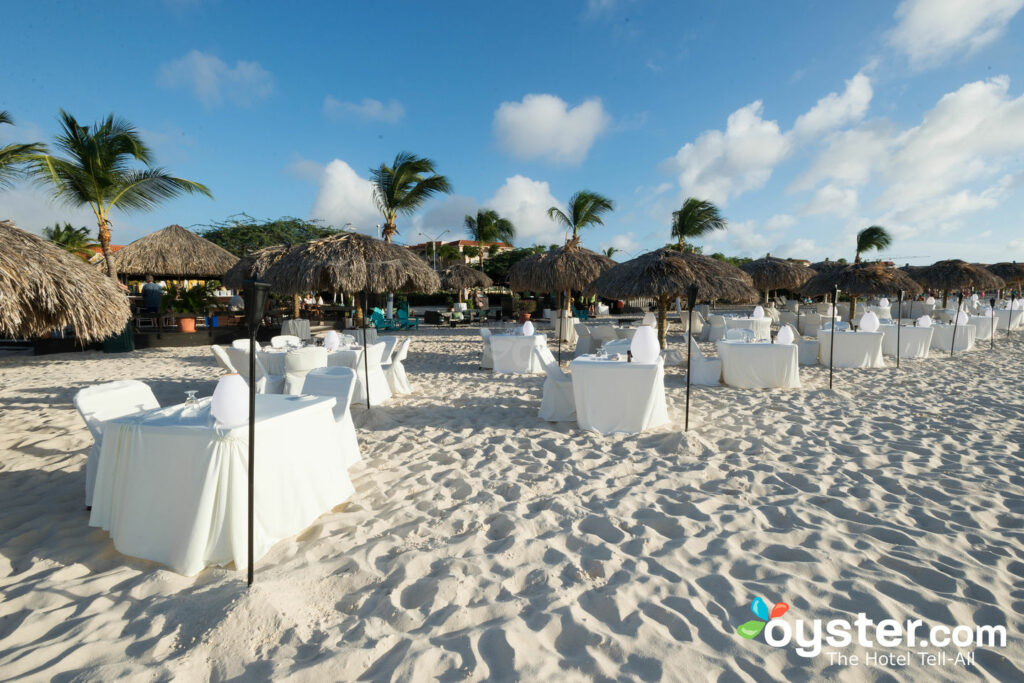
[528, 329]
[230, 404]
[883, 302]
[924, 321]
[332, 340]
[758, 312]
[869, 322]
[645, 346]
[785, 335]
[649, 319]
[930, 300]
[961, 318]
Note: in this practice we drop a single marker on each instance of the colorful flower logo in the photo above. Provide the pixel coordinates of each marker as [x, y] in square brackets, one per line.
[759, 607]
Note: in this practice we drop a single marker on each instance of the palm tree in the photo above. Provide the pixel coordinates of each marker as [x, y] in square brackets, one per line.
[611, 251]
[585, 209]
[487, 227]
[14, 156]
[875, 237]
[96, 170]
[697, 217]
[403, 187]
[76, 240]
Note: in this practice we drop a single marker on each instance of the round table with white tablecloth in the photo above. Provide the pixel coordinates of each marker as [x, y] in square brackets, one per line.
[759, 365]
[298, 327]
[762, 327]
[942, 337]
[613, 396]
[914, 341]
[516, 354]
[853, 349]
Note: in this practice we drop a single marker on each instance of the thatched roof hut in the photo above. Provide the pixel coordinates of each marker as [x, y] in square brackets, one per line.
[956, 274]
[559, 270]
[822, 266]
[1009, 271]
[172, 253]
[861, 279]
[775, 273]
[253, 265]
[460, 276]
[666, 273]
[43, 288]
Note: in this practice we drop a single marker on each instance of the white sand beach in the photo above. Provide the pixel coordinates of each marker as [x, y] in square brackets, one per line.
[485, 544]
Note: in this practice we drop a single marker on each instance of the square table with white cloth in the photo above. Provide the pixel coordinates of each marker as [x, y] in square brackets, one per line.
[942, 337]
[762, 327]
[346, 358]
[613, 396]
[983, 326]
[914, 341]
[1013, 318]
[298, 327]
[853, 349]
[883, 312]
[173, 488]
[273, 360]
[514, 353]
[754, 365]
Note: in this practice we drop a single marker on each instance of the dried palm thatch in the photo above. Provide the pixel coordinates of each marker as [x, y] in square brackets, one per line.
[459, 277]
[956, 274]
[173, 253]
[822, 266]
[861, 279]
[253, 265]
[565, 269]
[666, 273]
[1009, 271]
[775, 273]
[43, 288]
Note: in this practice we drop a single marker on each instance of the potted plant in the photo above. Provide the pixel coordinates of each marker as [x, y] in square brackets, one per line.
[526, 308]
[191, 302]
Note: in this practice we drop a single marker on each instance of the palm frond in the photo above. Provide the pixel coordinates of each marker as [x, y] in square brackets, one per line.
[144, 189]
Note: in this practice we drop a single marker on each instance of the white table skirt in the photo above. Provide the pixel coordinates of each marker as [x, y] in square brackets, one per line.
[296, 326]
[762, 327]
[942, 337]
[174, 489]
[853, 349]
[914, 341]
[1005, 318]
[883, 312]
[618, 397]
[568, 327]
[514, 354]
[760, 366]
[625, 332]
[983, 326]
[346, 358]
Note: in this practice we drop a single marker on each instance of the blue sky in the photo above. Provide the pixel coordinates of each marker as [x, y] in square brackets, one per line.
[804, 121]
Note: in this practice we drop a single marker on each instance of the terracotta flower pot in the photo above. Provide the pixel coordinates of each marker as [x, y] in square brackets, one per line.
[523, 317]
[187, 324]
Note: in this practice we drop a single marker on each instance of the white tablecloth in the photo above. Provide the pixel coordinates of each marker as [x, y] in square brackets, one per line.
[174, 489]
[853, 349]
[273, 359]
[762, 327]
[883, 312]
[1015, 321]
[346, 358]
[942, 337]
[760, 365]
[615, 396]
[515, 354]
[983, 326]
[371, 335]
[296, 326]
[625, 332]
[568, 327]
[914, 341]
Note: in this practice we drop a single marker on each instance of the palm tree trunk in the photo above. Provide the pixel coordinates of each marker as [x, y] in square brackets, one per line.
[945, 298]
[104, 235]
[853, 309]
[662, 319]
[295, 305]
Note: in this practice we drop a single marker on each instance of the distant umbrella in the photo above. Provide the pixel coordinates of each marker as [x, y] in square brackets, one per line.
[173, 253]
[253, 266]
[775, 273]
[822, 266]
[459, 277]
[44, 288]
[1008, 271]
[860, 279]
[566, 269]
[955, 274]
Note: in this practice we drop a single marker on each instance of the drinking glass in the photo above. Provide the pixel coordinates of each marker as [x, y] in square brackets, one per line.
[191, 404]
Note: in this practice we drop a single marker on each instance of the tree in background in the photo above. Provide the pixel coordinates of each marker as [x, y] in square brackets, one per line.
[76, 240]
[242, 234]
[696, 218]
[585, 209]
[97, 171]
[497, 266]
[611, 251]
[15, 156]
[876, 237]
[487, 227]
[403, 187]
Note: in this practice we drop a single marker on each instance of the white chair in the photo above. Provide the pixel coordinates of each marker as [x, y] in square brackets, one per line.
[222, 358]
[840, 326]
[600, 335]
[298, 363]
[703, 370]
[486, 357]
[787, 318]
[773, 313]
[283, 341]
[391, 343]
[698, 324]
[378, 381]
[341, 384]
[717, 330]
[104, 402]
[583, 341]
[810, 323]
[557, 403]
[395, 371]
[265, 384]
[243, 344]
[807, 349]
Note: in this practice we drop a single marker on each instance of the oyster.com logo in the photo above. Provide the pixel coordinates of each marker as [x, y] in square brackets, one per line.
[750, 629]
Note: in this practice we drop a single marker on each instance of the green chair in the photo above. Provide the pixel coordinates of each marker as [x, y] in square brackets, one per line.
[406, 322]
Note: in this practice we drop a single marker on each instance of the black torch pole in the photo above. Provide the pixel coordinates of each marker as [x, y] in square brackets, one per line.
[832, 341]
[366, 348]
[691, 300]
[992, 336]
[899, 326]
[559, 328]
[255, 304]
[1009, 318]
[956, 318]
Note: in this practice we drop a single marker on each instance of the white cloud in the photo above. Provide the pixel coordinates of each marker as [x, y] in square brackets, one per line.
[449, 214]
[625, 242]
[835, 110]
[831, 199]
[780, 221]
[525, 202]
[306, 169]
[851, 156]
[544, 127]
[212, 81]
[32, 209]
[345, 197]
[368, 109]
[801, 247]
[930, 31]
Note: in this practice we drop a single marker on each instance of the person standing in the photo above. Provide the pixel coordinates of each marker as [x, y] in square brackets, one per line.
[152, 294]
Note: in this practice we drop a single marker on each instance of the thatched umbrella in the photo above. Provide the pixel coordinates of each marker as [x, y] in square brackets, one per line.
[666, 273]
[43, 288]
[566, 269]
[776, 273]
[822, 266]
[253, 265]
[173, 253]
[860, 279]
[955, 274]
[1009, 272]
[459, 277]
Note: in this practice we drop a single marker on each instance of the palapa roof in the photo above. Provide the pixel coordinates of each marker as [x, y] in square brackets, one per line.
[667, 273]
[253, 265]
[956, 274]
[44, 287]
[1010, 271]
[776, 273]
[822, 266]
[558, 270]
[173, 253]
[460, 276]
[351, 262]
[861, 279]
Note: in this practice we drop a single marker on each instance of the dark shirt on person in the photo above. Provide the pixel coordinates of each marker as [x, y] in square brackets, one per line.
[152, 293]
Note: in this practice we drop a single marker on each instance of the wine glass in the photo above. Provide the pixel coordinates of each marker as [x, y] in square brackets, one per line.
[191, 404]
